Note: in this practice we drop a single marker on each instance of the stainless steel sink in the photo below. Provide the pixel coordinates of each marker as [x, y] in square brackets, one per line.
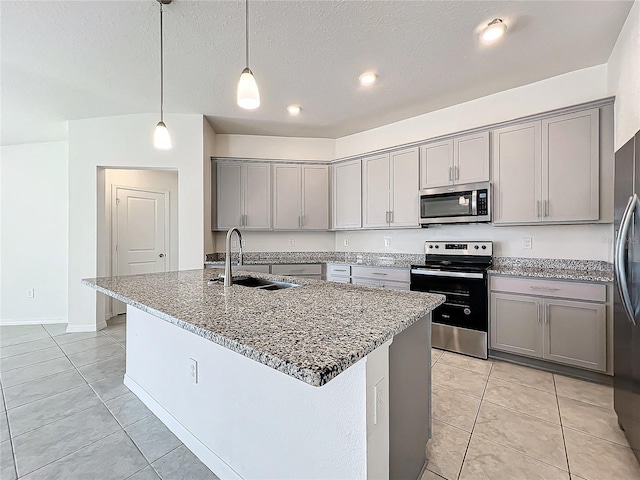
[259, 283]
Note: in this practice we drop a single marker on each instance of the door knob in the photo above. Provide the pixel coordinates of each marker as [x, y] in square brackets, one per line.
[161, 255]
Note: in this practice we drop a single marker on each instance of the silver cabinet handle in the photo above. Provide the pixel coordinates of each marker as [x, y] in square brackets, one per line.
[339, 270]
[391, 216]
[456, 173]
[546, 208]
[161, 255]
[539, 319]
[386, 217]
[380, 273]
[546, 289]
[546, 314]
[301, 221]
[537, 208]
[451, 174]
[619, 268]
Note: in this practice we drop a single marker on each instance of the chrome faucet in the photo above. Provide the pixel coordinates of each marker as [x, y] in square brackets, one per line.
[227, 257]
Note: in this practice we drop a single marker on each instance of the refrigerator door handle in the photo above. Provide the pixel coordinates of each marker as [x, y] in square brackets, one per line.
[618, 261]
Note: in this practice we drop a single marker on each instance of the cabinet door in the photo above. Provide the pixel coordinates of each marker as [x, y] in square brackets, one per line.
[230, 195]
[286, 197]
[575, 333]
[375, 191]
[257, 196]
[436, 164]
[570, 159]
[405, 196]
[315, 197]
[347, 195]
[517, 174]
[516, 324]
[471, 158]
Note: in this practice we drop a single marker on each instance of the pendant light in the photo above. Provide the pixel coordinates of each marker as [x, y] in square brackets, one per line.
[161, 137]
[248, 94]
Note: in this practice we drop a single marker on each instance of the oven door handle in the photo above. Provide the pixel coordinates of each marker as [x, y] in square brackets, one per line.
[440, 273]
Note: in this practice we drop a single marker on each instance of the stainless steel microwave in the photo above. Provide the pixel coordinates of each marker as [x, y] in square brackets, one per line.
[470, 203]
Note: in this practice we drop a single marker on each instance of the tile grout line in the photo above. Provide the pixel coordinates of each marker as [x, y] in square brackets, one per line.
[464, 457]
[564, 440]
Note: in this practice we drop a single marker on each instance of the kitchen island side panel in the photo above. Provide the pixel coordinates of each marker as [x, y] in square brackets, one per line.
[243, 417]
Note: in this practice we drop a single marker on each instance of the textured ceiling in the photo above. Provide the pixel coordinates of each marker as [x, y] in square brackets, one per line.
[64, 60]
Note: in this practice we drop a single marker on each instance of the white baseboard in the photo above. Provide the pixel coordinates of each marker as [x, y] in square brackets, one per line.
[32, 321]
[108, 315]
[199, 449]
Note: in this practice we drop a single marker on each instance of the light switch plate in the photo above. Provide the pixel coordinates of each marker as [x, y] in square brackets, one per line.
[387, 242]
[527, 243]
[193, 370]
[346, 242]
[292, 242]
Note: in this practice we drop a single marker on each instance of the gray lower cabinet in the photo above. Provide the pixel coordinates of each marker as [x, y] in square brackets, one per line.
[571, 332]
[575, 333]
[516, 324]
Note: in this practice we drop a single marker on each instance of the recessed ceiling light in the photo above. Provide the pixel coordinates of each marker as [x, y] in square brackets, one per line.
[493, 31]
[294, 110]
[368, 78]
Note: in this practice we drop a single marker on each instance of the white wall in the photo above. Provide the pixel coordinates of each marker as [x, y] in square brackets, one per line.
[34, 232]
[583, 242]
[276, 148]
[279, 241]
[556, 92]
[126, 141]
[623, 77]
[209, 145]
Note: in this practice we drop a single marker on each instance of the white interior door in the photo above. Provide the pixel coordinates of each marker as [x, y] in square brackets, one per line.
[141, 233]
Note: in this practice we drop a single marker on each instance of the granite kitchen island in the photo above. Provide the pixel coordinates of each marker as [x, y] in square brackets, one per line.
[321, 380]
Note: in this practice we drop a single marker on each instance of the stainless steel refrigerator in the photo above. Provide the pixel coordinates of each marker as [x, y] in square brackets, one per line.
[626, 262]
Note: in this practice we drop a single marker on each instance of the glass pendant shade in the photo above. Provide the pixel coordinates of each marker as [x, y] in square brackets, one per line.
[248, 94]
[161, 137]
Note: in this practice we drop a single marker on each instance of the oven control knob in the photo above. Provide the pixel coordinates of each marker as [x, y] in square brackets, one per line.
[430, 246]
[467, 311]
[476, 247]
[437, 246]
[484, 247]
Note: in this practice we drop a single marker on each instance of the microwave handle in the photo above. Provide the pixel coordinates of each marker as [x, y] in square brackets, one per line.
[474, 202]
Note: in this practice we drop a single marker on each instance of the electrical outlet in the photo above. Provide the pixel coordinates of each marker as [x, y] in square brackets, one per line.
[527, 243]
[346, 242]
[387, 242]
[244, 243]
[234, 242]
[292, 242]
[193, 370]
[31, 293]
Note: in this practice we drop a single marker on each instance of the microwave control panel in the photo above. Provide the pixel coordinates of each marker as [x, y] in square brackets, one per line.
[483, 205]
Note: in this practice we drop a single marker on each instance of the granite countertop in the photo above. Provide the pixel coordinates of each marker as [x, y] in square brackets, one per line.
[560, 269]
[312, 332]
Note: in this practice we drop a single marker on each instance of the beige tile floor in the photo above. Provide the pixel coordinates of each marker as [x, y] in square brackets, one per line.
[65, 413]
[494, 420]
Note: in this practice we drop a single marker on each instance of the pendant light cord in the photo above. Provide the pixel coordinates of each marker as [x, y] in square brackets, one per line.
[161, 69]
[246, 30]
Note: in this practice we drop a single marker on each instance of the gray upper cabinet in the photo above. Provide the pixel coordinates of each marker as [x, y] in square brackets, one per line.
[243, 195]
[436, 164]
[575, 333]
[455, 161]
[347, 195]
[547, 171]
[390, 190]
[287, 201]
[515, 324]
[471, 158]
[300, 197]
[375, 191]
[517, 183]
[570, 174]
[403, 192]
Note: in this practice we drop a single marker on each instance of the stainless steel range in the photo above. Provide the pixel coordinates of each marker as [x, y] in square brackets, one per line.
[459, 271]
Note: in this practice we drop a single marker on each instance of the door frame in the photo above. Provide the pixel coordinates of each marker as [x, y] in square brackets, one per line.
[113, 227]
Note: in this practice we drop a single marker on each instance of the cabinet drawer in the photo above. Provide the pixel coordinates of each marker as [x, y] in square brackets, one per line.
[381, 273]
[253, 268]
[593, 292]
[338, 279]
[338, 270]
[301, 269]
